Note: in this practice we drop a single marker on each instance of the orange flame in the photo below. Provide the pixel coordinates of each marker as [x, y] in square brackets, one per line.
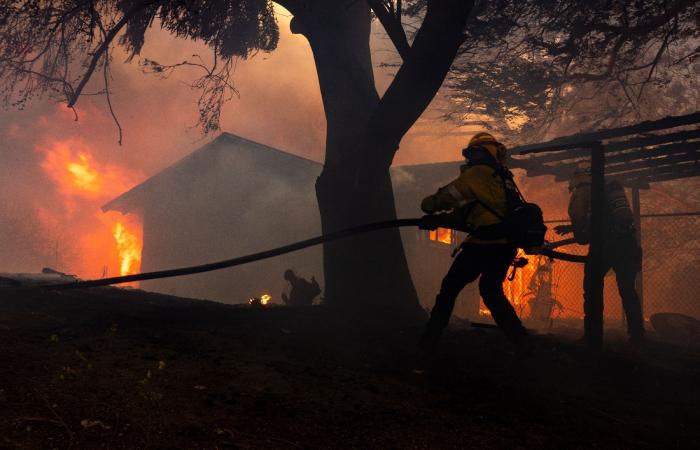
[95, 241]
[129, 248]
[443, 235]
[84, 177]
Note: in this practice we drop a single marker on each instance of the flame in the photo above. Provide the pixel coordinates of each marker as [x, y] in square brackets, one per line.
[89, 242]
[260, 301]
[129, 248]
[443, 235]
[516, 289]
[84, 176]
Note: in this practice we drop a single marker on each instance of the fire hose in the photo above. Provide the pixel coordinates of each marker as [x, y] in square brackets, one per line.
[190, 270]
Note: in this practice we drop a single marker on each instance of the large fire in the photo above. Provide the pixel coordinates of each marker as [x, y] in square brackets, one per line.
[99, 244]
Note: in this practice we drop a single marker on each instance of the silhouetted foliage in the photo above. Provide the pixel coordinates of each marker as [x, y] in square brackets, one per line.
[529, 64]
[55, 46]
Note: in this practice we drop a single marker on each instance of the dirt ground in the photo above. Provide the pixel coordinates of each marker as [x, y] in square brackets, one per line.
[124, 369]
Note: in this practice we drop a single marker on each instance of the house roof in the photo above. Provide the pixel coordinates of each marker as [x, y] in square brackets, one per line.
[201, 159]
[406, 178]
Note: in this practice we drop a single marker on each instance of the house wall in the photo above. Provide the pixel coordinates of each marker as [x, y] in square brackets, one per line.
[232, 201]
[232, 211]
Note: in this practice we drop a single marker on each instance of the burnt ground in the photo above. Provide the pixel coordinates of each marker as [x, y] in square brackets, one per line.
[113, 368]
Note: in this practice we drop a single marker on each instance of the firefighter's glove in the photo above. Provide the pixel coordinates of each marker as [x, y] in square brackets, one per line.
[428, 205]
[430, 222]
[561, 230]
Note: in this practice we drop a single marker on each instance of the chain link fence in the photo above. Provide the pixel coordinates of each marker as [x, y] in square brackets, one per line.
[549, 293]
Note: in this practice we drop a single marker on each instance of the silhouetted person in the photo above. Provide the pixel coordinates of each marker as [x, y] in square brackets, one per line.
[301, 291]
[621, 252]
[479, 190]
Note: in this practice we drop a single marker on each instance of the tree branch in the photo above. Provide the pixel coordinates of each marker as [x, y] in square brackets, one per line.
[420, 76]
[102, 49]
[392, 26]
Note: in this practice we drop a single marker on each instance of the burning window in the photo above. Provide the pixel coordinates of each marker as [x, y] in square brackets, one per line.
[442, 235]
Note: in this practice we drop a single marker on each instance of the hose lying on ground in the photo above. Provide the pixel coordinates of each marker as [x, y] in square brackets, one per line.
[269, 254]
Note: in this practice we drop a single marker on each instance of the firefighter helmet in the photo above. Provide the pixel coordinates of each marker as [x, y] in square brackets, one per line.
[482, 138]
[581, 175]
[486, 141]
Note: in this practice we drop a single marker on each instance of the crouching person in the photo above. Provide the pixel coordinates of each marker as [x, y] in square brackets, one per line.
[480, 195]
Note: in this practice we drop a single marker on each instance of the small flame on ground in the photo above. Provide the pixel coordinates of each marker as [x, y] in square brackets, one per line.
[260, 301]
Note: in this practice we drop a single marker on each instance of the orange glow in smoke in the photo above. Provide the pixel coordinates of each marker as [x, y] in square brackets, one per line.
[101, 244]
[84, 177]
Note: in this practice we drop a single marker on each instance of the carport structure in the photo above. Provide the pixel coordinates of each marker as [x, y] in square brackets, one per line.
[636, 156]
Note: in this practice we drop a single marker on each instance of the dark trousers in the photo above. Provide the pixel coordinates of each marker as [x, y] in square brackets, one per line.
[624, 258]
[491, 263]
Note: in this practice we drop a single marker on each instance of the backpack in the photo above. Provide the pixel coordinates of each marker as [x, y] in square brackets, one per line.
[523, 225]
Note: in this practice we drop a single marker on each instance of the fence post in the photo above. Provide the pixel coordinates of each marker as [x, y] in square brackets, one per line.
[594, 277]
[636, 208]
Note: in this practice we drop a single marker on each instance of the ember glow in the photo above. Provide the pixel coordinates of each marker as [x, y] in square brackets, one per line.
[260, 301]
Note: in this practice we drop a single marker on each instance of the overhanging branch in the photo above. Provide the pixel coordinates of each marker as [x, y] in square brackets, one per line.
[391, 21]
[102, 49]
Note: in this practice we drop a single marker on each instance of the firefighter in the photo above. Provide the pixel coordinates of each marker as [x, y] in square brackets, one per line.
[621, 252]
[301, 291]
[478, 192]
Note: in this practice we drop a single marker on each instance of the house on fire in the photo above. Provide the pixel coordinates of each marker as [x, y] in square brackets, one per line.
[234, 197]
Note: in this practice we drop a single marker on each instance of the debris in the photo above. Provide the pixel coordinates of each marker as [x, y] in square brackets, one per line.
[87, 423]
[46, 276]
[676, 327]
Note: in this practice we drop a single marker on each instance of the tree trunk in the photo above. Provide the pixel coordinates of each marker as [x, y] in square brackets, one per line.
[367, 274]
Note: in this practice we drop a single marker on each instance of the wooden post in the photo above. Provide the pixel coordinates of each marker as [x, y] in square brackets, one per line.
[636, 208]
[593, 304]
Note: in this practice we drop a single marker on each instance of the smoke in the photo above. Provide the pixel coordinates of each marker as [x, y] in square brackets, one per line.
[57, 171]
[48, 219]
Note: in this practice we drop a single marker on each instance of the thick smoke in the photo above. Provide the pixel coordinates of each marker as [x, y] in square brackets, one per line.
[45, 224]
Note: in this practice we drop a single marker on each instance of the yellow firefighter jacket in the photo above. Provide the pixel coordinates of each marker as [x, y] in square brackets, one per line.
[475, 182]
[619, 219]
[580, 207]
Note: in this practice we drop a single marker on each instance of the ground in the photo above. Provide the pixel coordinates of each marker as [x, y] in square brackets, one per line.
[116, 368]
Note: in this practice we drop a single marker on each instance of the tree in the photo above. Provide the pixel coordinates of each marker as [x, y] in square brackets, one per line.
[530, 67]
[56, 46]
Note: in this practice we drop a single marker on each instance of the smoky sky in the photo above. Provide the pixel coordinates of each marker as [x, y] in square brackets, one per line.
[279, 105]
